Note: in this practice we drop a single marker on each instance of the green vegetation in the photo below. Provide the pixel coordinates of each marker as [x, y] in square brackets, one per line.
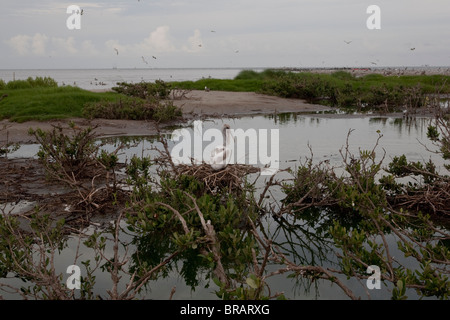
[29, 83]
[233, 85]
[42, 99]
[339, 89]
[45, 103]
[133, 109]
[245, 81]
[210, 227]
[145, 90]
[140, 101]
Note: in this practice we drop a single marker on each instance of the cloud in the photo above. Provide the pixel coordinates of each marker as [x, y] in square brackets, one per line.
[64, 45]
[195, 42]
[266, 33]
[24, 44]
[41, 44]
[38, 44]
[159, 41]
[20, 43]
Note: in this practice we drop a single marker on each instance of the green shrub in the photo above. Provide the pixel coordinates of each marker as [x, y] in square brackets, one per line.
[343, 75]
[248, 75]
[38, 82]
[157, 90]
[132, 109]
[18, 84]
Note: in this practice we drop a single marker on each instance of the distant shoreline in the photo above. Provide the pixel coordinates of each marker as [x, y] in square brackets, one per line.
[107, 78]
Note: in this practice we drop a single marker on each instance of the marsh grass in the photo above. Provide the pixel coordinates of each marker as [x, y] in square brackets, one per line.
[339, 89]
[38, 82]
[131, 108]
[45, 103]
[42, 99]
[233, 85]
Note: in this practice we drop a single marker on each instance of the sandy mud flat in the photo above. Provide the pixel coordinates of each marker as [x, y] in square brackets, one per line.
[196, 104]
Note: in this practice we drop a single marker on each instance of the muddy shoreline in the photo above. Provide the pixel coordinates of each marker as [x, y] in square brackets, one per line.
[196, 105]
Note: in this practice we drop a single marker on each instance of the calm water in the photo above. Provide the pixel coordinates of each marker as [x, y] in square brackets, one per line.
[302, 240]
[108, 78]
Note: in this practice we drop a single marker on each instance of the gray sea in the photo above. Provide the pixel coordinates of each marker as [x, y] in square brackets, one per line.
[92, 79]
[108, 78]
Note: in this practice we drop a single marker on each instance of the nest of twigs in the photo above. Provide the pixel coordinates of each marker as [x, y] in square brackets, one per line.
[230, 178]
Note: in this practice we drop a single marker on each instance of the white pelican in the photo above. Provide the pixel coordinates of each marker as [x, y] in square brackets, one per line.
[221, 154]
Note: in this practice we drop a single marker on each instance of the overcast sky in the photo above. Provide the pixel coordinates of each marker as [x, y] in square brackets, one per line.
[227, 33]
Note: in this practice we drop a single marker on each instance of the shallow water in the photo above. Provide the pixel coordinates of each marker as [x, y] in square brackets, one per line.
[299, 134]
[326, 136]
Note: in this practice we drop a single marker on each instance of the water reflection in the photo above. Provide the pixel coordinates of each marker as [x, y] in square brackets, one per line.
[403, 125]
[304, 237]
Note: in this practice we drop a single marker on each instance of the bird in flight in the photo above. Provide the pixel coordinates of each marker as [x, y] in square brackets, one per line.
[412, 49]
[145, 61]
[117, 51]
[347, 42]
[153, 57]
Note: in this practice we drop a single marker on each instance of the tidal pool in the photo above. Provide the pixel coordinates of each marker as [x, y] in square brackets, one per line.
[304, 239]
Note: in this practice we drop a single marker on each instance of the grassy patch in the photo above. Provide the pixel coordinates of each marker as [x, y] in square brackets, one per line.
[38, 82]
[339, 89]
[42, 99]
[45, 103]
[132, 108]
[233, 85]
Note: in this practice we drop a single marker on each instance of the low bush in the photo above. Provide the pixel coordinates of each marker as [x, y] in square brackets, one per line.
[38, 82]
[132, 109]
[144, 90]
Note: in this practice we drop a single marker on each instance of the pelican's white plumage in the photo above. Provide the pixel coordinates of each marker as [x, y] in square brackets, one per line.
[220, 156]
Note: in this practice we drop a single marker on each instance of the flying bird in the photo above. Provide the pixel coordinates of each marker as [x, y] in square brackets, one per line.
[153, 57]
[117, 51]
[145, 61]
[347, 42]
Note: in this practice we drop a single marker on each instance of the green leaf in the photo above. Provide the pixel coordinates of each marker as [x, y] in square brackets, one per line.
[252, 282]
